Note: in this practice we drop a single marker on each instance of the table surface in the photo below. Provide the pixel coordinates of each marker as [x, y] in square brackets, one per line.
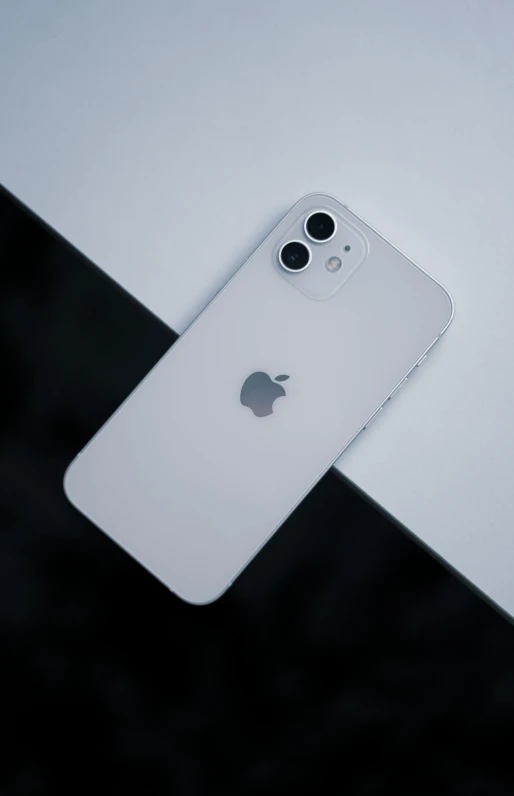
[127, 126]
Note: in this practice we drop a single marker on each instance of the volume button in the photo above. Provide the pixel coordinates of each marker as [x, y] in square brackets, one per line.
[397, 388]
[373, 417]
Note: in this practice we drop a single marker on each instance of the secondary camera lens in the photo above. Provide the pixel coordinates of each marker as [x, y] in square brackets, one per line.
[320, 227]
[294, 256]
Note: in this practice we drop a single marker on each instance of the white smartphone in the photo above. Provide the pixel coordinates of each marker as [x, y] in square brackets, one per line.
[238, 421]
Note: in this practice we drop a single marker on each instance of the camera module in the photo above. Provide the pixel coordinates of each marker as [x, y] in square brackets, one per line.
[320, 226]
[294, 256]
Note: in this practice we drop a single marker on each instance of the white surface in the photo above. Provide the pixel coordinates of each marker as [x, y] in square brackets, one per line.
[122, 122]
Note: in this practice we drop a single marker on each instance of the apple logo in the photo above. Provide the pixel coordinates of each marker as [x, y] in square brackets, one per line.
[259, 393]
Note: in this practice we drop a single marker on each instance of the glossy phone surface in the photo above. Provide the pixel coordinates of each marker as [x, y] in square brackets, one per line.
[214, 449]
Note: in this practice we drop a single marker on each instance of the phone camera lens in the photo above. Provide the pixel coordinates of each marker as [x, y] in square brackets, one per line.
[320, 226]
[294, 255]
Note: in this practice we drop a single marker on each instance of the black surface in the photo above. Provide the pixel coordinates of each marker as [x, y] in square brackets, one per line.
[344, 658]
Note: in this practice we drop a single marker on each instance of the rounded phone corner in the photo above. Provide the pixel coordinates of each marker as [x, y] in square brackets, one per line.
[322, 196]
[201, 598]
[443, 306]
[451, 307]
[66, 481]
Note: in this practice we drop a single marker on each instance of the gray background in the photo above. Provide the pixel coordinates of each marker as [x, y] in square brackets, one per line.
[136, 128]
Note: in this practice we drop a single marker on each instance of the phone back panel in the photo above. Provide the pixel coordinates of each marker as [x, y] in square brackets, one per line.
[190, 480]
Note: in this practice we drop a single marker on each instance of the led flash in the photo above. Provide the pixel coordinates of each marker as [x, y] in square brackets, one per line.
[333, 264]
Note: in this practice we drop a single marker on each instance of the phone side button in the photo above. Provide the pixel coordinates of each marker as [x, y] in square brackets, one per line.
[397, 388]
[421, 361]
[373, 417]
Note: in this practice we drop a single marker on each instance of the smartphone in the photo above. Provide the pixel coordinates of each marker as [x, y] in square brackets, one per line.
[238, 421]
